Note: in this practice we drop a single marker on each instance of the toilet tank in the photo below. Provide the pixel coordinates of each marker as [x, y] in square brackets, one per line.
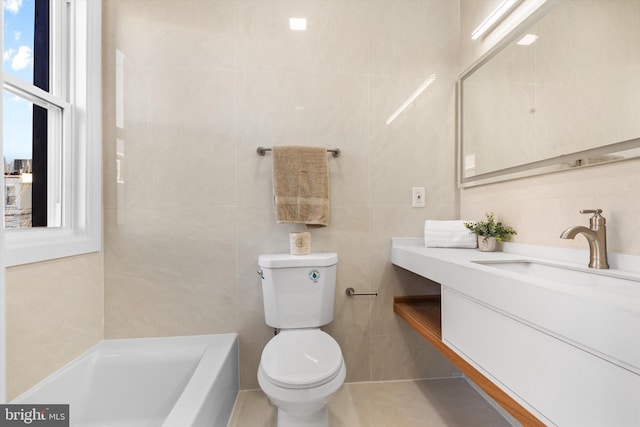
[298, 290]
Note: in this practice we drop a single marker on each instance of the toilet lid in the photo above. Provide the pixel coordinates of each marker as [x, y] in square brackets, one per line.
[301, 359]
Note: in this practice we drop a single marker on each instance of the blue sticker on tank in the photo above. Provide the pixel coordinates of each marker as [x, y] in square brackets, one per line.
[314, 275]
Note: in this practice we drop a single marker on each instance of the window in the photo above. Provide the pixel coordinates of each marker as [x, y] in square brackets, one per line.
[35, 106]
[51, 128]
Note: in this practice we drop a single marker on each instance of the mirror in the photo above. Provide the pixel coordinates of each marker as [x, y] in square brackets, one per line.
[562, 91]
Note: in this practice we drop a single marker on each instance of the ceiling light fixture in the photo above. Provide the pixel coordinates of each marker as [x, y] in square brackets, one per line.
[500, 11]
[298, 24]
[412, 98]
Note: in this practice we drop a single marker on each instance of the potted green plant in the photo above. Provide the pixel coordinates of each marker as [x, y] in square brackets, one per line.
[489, 232]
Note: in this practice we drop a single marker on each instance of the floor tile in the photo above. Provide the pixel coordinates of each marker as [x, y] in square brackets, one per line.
[450, 402]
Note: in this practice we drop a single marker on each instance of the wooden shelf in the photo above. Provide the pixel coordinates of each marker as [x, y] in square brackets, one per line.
[423, 314]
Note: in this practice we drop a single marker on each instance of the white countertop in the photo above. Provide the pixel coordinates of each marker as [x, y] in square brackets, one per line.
[412, 253]
[604, 320]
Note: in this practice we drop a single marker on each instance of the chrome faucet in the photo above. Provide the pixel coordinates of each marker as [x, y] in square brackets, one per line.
[596, 235]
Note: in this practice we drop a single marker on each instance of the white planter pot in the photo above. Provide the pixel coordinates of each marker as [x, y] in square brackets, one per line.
[487, 244]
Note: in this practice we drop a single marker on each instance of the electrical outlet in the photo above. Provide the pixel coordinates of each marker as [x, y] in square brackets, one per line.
[417, 197]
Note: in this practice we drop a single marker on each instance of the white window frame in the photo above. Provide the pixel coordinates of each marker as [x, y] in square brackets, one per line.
[81, 230]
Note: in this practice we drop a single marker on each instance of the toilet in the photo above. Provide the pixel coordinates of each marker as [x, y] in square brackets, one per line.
[302, 366]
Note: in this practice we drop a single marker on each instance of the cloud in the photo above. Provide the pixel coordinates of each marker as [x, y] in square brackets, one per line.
[16, 35]
[13, 6]
[7, 54]
[23, 59]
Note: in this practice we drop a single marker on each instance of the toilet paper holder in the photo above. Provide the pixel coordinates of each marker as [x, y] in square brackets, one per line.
[352, 293]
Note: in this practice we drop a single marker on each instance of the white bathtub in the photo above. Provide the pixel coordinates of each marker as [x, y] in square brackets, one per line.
[168, 382]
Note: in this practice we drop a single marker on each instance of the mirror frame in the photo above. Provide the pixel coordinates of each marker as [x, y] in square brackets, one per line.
[609, 153]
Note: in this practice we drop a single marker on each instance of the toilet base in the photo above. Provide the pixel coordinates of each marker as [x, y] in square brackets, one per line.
[318, 419]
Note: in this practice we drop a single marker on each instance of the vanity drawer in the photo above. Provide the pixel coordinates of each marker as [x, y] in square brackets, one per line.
[567, 385]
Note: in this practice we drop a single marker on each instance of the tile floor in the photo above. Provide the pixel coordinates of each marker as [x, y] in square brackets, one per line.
[424, 403]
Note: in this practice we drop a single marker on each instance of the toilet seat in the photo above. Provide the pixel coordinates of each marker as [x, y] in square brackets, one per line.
[299, 359]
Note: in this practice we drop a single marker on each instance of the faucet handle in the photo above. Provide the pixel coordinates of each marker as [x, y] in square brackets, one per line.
[596, 220]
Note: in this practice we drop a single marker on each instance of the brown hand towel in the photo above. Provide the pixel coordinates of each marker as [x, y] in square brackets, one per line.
[301, 185]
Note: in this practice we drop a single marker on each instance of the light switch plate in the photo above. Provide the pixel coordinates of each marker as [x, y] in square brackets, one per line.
[417, 197]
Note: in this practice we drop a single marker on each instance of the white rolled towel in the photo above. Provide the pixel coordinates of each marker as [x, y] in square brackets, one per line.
[448, 234]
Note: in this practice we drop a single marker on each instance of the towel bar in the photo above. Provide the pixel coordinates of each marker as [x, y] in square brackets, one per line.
[263, 150]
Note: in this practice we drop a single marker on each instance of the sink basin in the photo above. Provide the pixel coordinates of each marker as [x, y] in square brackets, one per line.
[563, 274]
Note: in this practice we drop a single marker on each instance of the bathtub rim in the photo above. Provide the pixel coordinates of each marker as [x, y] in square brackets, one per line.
[106, 343]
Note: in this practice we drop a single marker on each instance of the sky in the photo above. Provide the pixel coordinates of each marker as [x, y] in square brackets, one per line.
[17, 60]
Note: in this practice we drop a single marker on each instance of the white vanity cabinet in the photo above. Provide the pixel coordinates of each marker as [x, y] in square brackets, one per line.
[566, 385]
[548, 353]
